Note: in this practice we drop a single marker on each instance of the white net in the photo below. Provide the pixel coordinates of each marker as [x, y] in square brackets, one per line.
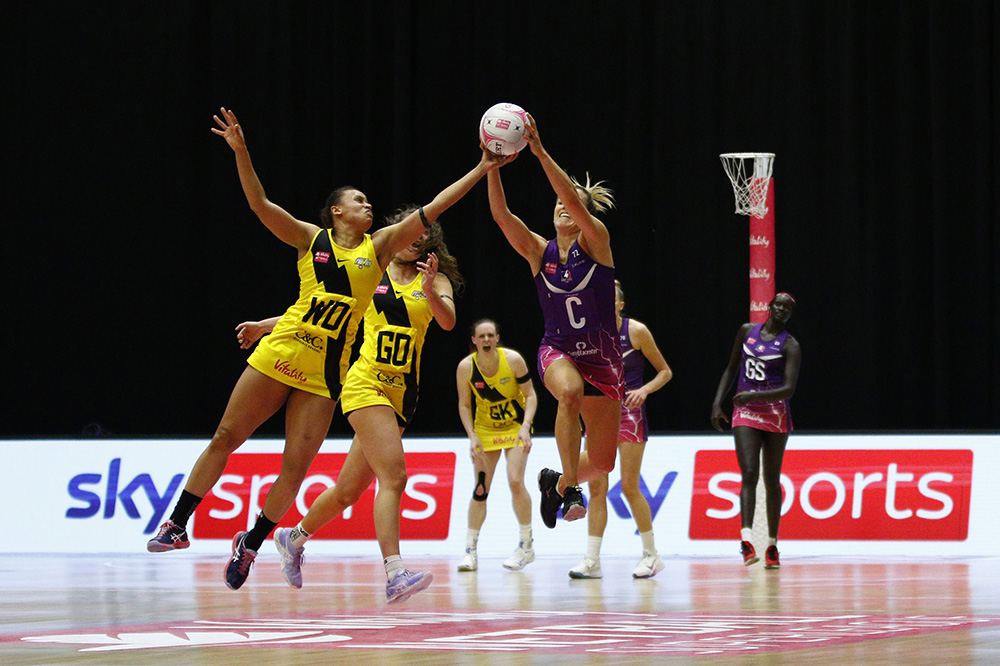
[750, 174]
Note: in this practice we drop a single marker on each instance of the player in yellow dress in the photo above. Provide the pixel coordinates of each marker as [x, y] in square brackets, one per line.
[497, 403]
[381, 388]
[340, 266]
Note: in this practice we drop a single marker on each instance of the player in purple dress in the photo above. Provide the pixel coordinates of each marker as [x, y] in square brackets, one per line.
[579, 359]
[767, 360]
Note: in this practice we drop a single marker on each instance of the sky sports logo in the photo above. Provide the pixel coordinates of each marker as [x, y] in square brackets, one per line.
[237, 498]
[873, 495]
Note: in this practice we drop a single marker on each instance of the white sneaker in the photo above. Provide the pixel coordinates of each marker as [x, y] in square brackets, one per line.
[521, 558]
[470, 562]
[587, 569]
[648, 566]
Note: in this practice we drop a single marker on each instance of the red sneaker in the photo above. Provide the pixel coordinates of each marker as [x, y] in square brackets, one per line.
[771, 558]
[749, 554]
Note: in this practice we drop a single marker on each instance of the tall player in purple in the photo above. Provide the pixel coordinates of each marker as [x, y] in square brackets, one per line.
[767, 359]
[579, 358]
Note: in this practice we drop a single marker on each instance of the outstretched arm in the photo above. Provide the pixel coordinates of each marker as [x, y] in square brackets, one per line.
[728, 377]
[295, 232]
[525, 242]
[594, 236]
[395, 237]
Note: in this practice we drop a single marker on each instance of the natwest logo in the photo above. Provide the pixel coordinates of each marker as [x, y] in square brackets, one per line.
[851, 494]
[237, 498]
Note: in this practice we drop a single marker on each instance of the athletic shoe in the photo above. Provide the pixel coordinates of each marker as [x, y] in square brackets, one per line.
[573, 506]
[771, 558]
[170, 537]
[587, 569]
[292, 558]
[405, 584]
[239, 564]
[749, 554]
[470, 562]
[548, 480]
[648, 566]
[521, 558]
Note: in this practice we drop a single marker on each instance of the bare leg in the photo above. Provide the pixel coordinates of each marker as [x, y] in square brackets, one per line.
[603, 419]
[517, 461]
[564, 382]
[354, 479]
[307, 422]
[597, 510]
[748, 444]
[255, 398]
[631, 457]
[485, 466]
[774, 453]
[380, 439]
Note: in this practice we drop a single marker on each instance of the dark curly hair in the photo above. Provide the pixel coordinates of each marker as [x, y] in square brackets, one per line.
[434, 242]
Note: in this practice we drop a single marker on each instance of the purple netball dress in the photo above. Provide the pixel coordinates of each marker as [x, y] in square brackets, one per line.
[634, 427]
[578, 305]
[762, 367]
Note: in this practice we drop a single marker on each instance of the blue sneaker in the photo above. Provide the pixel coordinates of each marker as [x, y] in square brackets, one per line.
[548, 481]
[405, 584]
[291, 557]
[239, 564]
[170, 537]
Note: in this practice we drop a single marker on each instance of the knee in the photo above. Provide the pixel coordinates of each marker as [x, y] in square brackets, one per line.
[570, 398]
[598, 489]
[394, 481]
[749, 476]
[225, 440]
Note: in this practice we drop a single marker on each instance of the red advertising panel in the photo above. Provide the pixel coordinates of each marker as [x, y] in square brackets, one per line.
[239, 495]
[850, 494]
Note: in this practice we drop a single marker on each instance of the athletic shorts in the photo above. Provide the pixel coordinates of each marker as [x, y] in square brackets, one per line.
[600, 379]
[767, 416]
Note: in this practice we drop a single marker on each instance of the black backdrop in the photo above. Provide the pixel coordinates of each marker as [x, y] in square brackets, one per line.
[130, 254]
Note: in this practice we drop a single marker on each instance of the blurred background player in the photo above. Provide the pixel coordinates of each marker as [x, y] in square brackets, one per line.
[497, 403]
[638, 346]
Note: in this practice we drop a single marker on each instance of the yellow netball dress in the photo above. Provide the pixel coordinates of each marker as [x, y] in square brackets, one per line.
[499, 405]
[388, 370]
[310, 346]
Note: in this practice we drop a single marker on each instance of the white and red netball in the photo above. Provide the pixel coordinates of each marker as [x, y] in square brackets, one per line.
[502, 128]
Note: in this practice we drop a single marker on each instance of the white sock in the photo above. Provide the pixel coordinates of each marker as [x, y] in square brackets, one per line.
[471, 539]
[648, 545]
[299, 536]
[746, 534]
[772, 542]
[594, 548]
[526, 536]
[393, 565]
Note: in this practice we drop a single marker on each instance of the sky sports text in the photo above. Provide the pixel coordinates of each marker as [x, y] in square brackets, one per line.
[877, 495]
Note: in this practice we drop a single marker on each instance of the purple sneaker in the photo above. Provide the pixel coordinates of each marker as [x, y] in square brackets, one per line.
[239, 564]
[170, 537]
[405, 584]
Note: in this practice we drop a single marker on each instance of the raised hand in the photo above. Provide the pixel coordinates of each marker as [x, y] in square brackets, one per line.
[231, 130]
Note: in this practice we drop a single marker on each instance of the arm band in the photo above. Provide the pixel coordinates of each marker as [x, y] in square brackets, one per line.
[446, 296]
[423, 218]
[523, 378]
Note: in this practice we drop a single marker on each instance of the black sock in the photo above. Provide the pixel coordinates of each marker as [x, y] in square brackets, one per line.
[186, 504]
[263, 527]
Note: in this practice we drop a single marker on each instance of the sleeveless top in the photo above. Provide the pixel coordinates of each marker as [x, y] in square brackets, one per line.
[310, 346]
[499, 401]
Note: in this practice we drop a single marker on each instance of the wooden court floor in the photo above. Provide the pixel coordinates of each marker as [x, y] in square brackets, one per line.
[173, 608]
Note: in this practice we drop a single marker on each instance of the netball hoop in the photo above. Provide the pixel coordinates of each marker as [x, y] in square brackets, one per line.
[750, 174]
